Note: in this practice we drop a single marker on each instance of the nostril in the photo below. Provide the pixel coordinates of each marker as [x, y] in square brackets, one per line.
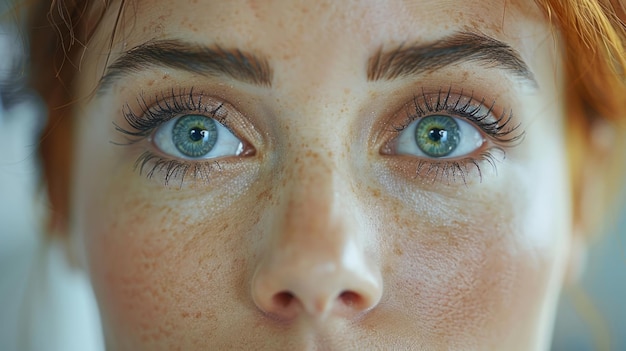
[283, 299]
[350, 299]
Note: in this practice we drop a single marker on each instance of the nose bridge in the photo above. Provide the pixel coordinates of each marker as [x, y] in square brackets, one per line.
[311, 204]
[314, 262]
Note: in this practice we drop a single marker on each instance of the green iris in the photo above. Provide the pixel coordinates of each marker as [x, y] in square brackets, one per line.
[194, 135]
[437, 135]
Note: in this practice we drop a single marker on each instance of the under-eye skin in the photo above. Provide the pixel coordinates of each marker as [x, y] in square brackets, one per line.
[186, 135]
[451, 135]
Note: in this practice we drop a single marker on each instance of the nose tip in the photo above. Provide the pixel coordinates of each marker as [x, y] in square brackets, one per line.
[289, 291]
[316, 259]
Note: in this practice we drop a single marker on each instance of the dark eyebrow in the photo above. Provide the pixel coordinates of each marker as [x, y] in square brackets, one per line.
[214, 61]
[407, 60]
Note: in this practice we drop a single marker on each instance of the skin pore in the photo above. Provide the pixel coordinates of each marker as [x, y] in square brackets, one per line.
[321, 232]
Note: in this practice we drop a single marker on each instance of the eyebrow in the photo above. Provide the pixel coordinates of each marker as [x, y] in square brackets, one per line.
[176, 54]
[409, 60]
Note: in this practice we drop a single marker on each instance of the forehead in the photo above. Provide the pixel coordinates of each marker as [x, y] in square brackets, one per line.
[288, 26]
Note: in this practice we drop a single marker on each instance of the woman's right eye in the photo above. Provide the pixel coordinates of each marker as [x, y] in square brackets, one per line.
[196, 137]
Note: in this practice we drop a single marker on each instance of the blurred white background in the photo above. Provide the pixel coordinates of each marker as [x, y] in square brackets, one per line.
[38, 292]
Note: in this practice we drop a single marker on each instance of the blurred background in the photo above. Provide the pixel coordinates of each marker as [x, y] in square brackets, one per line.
[40, 293]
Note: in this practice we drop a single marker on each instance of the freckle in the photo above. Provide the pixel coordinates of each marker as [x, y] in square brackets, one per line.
[398, 251]
[375, 192]
[330, 154]
[198, 315]
[347, 91]
[224, 227]
[264, 195]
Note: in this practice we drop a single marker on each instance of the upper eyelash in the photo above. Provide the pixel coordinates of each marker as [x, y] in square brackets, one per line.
[173, 103]
[163, 109]
[151, 116]
[500, 129]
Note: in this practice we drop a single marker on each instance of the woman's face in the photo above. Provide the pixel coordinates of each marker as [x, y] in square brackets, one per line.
[323, 175]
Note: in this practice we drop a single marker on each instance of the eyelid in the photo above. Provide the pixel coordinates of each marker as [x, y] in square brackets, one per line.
[498, 126]
[149, 112]
[497, 123]
[142, 118]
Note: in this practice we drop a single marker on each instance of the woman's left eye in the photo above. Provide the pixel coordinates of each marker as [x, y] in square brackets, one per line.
[439, 136]
[196, 137]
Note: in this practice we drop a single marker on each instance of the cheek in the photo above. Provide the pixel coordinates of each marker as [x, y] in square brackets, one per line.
[472, 268]
[157, 278]
[141, 267]
[468, 279]
[159, 257]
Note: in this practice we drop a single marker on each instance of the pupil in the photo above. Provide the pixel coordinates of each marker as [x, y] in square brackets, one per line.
[437, 135]
[197, 134]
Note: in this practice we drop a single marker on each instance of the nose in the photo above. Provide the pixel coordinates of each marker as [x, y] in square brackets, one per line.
[315, 261]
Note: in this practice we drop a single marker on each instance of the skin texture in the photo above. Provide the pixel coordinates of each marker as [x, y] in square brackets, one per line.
[321, 236]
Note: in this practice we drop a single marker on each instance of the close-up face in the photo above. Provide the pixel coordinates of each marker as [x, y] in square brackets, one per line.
[322, 175]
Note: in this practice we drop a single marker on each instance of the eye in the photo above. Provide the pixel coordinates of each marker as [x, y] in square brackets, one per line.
[439, 136]
[196, 136]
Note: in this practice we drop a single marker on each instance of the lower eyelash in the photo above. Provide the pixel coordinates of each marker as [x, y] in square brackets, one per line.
[498, 128]
[151, 116]
[149, 164]
[454, 170]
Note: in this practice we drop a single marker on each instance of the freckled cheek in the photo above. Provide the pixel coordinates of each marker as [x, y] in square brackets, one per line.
[129, 271]
[475, 275]
[156, 268]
